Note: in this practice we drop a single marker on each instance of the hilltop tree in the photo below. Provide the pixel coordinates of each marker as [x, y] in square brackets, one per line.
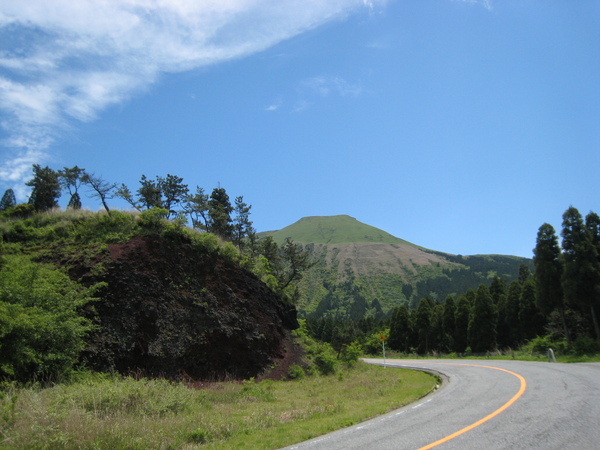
[173, 192]
[71, 179]
[45, 188]
[581, 274]
[101, 189]
[196, 206]
[548, 274]
[242, 225]
[219, 214]
[8, 200]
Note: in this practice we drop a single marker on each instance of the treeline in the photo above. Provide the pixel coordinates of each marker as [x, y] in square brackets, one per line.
[169, 195]
[169, 198]
[557, 306]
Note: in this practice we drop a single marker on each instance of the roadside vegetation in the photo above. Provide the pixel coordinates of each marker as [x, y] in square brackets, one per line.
[104, 411]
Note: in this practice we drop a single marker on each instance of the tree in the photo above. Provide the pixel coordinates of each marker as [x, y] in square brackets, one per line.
[242, 225]
[581, 274]
[149, 193]
[219, 213]
[423, 324]
[548, 274]
[71, 179]
[45, 188]
[511, 314]
[497, 289]
[461, 320]
[173, 192]
[8, 200]
[101, 188]
[530, 319]
[483, 322]
[449, 321]
[196, 206]
[399, 329]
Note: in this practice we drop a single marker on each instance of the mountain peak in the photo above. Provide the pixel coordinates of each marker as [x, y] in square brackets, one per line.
[333, 230]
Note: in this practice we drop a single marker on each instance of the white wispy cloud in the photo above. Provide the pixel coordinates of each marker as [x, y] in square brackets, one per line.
[310, 90]
[64, 61]
[487, 4]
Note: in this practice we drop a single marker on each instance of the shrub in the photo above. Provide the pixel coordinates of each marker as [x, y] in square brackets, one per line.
[41, 333]
[351, 353]
[326, 363]
[296, 372]
[585, 345]
[153, 219]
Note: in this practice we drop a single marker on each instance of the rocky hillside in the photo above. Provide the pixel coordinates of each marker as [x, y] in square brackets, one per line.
[169, 311]
[172, 302]
[363, 269]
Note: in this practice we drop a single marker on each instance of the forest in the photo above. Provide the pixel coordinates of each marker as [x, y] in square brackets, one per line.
[555, 307]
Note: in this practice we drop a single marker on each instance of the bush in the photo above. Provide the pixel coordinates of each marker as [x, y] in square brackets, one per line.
[351, 353]
[154, 219]
[585, 345]
[296, 372]
[41, 332]
[326, 363]
[541, 344]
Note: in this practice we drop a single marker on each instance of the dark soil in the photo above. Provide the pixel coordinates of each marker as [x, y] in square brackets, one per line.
[172, 310]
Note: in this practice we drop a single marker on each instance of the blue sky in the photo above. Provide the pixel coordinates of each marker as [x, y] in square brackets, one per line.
[460, 126]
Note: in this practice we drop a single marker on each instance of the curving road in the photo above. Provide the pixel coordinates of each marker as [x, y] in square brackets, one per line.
[486, 405]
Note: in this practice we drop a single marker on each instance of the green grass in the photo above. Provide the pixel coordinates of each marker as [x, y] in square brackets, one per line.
[109, 412]
[333, 230]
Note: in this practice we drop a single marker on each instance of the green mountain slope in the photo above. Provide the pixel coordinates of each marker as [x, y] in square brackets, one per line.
[333, 230]
[362, 270]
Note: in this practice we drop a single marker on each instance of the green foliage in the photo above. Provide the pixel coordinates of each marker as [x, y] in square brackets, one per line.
[295, 372]
[585, 345]
[153, 220]
[45, 188]
[351, 353]
[41, 332]
[8, 200]
[541, 344]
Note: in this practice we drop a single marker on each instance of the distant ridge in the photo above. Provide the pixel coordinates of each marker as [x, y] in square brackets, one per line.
[341, 229]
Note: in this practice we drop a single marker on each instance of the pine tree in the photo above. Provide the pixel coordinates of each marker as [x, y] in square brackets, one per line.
[219, 213]
[548, 273]
[462, 316]
[45, 188]
[8, 200]
[581, 274]
[483, 323]
[399, 329]
[71, 179]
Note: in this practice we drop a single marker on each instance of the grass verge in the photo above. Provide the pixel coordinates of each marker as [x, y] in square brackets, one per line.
[109, 412]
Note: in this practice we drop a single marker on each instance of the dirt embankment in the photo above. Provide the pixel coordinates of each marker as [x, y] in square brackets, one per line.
[171, 310]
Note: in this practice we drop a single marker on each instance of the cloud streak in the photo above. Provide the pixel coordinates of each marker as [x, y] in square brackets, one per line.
[64, 62]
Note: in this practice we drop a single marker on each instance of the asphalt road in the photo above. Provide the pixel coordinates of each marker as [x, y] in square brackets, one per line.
[487, 405]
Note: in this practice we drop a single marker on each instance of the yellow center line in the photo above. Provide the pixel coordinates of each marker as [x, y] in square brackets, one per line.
[489, 416]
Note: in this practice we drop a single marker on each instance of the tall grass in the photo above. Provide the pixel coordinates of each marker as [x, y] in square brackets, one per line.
[110, 412]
